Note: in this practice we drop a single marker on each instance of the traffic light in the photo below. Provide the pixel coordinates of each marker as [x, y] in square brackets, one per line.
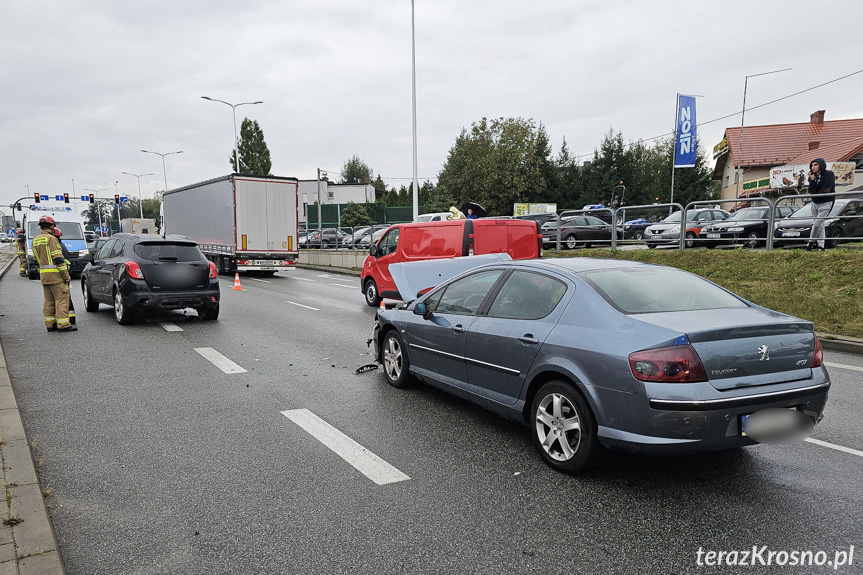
[65, 198]
[117, 199]
[36, 197]
[92, 198]
[18, 206]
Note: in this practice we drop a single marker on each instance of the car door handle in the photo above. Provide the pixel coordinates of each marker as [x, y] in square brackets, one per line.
[458, 328]
[528, 338]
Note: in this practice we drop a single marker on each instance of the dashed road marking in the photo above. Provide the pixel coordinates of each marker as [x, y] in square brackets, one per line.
[170, 326]
[262, 281]
[344, 286]
[323, 275]
[301, 305]
[843, 366]
[355, 454]
[219, 360]
[836, 447]
[302, 279]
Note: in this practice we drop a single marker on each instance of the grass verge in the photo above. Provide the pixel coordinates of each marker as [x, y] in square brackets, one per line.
[824, 288]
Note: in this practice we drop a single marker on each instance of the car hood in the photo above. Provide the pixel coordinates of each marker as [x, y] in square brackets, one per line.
[734, 224]
[412, 277]
[664, 227]
[796, 223]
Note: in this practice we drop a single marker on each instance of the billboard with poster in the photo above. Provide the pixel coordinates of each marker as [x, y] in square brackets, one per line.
[530, 209]
[797, 175]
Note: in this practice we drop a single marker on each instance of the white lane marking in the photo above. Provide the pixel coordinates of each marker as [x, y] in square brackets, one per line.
[305, 306]
[219, 360]
[302, 279]
[323, 275]
[355, 454]
[262, 281]
[170, 326]
[343, 285]
[836, 447]
[843, 366]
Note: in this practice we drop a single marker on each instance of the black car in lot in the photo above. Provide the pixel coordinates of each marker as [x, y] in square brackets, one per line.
[844, 221]
[144, 273]
[747, 226]
[578, 231]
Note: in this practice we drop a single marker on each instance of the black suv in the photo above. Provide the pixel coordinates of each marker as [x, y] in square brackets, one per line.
[148, 273]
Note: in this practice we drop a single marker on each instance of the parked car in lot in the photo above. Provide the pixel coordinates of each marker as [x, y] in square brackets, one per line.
[746, 225]
[350, 240]
[324, 238]
[593, 354]
[541, 218]
[667, 231]
[844, 220]
[369, 239]
[434, 217]
[578, 231]
[140, 273]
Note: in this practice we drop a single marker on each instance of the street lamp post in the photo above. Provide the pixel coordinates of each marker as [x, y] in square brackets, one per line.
[414, 110]
[234, 110]
[140, 200]
[98, 207]
[742, 116]
[164, 170]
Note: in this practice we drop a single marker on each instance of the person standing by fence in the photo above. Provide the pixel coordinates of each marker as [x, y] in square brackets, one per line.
[821, 181]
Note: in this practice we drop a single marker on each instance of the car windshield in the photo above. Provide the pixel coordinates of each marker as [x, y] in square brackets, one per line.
[750, 214]
[806, 211]
[169, 251]
[71, 230]
[675, 217]
[652, 290]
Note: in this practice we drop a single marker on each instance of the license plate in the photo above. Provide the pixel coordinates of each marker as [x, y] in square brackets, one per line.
[656, 237]
[713, 236]
[743, 420]
[790, 234]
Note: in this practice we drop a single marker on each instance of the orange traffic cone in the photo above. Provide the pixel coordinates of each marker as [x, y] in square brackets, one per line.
[383, 305]
[237, 285]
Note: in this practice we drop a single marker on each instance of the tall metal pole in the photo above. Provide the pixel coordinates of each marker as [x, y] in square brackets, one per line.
[414, 108]
[319, 199]
[140, 199]
[119, 221]
[98, 207]
[234, 111]
[742, 116]
[674, 145]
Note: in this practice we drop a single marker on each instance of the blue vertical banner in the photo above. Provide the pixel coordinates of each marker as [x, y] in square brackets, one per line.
[685, 152]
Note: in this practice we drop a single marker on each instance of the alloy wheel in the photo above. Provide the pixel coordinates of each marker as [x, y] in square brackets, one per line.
[558, 427]
[393, 359]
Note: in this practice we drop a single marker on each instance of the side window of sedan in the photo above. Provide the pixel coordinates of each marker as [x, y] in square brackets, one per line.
[105, 250]
[527, 295]
[464, 296]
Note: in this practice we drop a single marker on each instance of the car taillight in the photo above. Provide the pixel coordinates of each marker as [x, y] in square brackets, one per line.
[675, 364]
[134, 270]
[213, 271]
[818, 356]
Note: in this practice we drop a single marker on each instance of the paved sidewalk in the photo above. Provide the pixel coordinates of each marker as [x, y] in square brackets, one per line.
[27, 542]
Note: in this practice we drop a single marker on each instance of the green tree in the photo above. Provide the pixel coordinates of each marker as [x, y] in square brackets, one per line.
[254, 153]
[91, 214]
[355, 215]
[379, 183]
[356, 171]
[498, 163]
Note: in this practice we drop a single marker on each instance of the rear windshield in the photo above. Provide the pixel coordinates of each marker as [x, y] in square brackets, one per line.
[169, 251]
[659, 289]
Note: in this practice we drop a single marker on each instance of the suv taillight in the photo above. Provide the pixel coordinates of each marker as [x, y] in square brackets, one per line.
[134, 270]
[213, 271]
[675, 364]
[818, 356]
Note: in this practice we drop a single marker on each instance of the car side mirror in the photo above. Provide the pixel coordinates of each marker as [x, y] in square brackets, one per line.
[373, 250]
[422, 309]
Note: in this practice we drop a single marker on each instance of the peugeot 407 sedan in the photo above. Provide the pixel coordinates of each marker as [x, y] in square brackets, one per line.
[593, 354]
[140, 274]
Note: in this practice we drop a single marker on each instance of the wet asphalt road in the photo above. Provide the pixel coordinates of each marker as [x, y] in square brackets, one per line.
[161, 463]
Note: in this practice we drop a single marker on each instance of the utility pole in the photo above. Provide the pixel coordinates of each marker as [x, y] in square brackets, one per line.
[319, 199]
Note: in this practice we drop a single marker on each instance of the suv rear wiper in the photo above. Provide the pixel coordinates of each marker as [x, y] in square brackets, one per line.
[168, 258]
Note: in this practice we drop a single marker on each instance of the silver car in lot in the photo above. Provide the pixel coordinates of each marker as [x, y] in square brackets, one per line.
[667, 232]
[593, 354]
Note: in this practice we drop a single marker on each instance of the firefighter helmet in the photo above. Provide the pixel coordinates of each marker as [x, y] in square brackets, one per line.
[46, 221]
[57, 232]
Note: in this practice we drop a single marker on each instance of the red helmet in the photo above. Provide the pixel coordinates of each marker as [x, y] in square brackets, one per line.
[47, 220]
[20, 231]
[57, 232]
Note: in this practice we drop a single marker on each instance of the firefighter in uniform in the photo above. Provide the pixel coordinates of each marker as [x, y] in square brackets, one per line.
[54, 276]
[58, 233]
[21, 242]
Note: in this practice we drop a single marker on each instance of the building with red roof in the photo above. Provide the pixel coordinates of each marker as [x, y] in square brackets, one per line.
[778, 145]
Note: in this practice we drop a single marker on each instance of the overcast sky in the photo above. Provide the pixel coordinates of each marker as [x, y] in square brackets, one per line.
[85, 85]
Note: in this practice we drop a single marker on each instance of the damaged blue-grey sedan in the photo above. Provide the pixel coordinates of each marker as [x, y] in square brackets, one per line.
[592, 354]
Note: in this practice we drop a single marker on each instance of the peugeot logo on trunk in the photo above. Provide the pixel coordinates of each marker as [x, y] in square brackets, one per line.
[765, 353]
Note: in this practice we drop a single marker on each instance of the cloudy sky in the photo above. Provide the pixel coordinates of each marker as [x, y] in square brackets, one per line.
[86, 84]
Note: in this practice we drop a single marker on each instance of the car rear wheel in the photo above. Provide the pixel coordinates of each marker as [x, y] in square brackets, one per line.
[395, 361]
[90, 304]
[752, 240]
[122, 312]
[370, 290]
[690, 240]
[571, 242]
[563, 428]
[833, 235]
[639, 235]
[209, 313]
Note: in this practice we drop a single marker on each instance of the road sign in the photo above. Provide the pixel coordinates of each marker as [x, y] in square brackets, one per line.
[46, 198]
[124, 199]
[85, 198]
[58, 198]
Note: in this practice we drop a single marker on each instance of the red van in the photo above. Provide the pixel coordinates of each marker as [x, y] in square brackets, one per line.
[445, 239]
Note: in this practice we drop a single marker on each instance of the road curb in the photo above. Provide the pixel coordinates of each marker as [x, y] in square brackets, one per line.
[335, 270]
[32, 543]
[841, 343]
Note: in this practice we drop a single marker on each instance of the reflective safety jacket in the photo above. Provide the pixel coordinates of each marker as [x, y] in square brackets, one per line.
[49, 257]
[21, 244]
